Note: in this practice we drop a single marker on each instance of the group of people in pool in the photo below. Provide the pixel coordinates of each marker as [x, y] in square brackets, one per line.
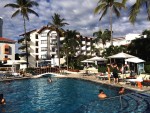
[102, 95]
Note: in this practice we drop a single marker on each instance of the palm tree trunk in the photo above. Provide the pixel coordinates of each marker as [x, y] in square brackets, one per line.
[67, 62]
[26, 41]
[58, 49]
[111, 39]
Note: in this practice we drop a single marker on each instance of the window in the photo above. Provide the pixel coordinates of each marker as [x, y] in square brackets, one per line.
[37, 44]
[36, 36]
[44, 35]
[37, 57]
[37, 50]
[43, 41]
[43, 56]
[53, 49]
[43, 48]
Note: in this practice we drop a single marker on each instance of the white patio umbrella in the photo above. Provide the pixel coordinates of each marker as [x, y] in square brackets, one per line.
[96, 58]
[137, 61]
[134, 60]
[87, 61]
[121, 55]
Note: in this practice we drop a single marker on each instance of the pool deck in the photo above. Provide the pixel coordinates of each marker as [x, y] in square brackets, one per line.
[93, 78]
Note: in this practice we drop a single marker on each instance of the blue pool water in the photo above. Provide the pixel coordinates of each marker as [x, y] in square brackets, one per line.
[60, 96]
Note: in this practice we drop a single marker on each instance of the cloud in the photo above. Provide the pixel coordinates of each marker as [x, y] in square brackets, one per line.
[78, 13]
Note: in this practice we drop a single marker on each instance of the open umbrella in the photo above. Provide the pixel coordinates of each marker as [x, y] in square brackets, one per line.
[134, 60]
[87, 61]
[96, 58]
[121, 55]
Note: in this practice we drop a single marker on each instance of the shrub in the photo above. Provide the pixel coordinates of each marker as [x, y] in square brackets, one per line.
[147, 68]
[102, 69]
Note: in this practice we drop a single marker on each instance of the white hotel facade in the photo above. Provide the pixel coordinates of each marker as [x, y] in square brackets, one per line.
[42, 47]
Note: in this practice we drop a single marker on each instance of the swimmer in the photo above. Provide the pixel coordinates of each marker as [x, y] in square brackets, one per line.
[121, 90]
[49, 79]
[2, 100]
[101, 94]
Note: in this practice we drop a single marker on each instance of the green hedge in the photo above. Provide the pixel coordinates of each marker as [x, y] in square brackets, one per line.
[147, 68]
[102, 69]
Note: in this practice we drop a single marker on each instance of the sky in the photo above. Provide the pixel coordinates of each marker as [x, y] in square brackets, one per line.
[78, 13]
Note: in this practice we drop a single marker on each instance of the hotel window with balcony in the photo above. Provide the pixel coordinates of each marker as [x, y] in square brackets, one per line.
[36, 44]
[43, 41]
[7, 49]
[43, 48]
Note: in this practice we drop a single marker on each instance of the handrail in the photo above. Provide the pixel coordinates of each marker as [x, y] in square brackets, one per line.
[126, 94]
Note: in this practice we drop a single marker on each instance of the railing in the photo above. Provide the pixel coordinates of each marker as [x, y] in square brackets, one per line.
[131, 102]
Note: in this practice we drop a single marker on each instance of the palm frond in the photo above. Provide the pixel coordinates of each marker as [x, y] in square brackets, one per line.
[134, 10]
[32, 3]
[104, 13]
[32, 12]
[116, 11]
[15, 13]
[12, 5]
[99, 7]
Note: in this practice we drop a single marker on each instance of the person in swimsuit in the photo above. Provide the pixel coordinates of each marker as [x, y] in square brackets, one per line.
[101, 94]
[121, 90]
[108, 70]
[115, 73]
[2, 100]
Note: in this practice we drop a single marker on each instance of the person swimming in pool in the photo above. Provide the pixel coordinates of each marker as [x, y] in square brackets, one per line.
[2, 100]
[121, 90]
[49, 79]
[101, 94]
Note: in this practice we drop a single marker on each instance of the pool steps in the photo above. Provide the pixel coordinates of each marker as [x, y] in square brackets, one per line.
[131, 103]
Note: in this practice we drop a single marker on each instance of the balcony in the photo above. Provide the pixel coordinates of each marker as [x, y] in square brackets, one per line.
[53, 52]
[83, 42]
[88, 43]
[83, 48]
[24, 54]
[23, 39]
[88, 49]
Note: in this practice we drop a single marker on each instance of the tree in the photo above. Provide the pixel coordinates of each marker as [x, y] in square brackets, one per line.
[135, 9]
[70, 45]
[141, 48]
[102, 36]
[24, 8]
[58, 23]
[112, 5]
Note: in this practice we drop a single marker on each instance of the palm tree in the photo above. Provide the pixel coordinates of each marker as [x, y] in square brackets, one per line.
[112, 5]
[102, 36]
[135, 9]
[24, 8]
[58, 23]
[70, 44]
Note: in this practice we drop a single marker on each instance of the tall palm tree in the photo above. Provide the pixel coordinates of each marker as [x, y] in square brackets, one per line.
[24, 8]
[58, 23]
[70, 44]
[104, 5]
[135, 9]
[102, 36]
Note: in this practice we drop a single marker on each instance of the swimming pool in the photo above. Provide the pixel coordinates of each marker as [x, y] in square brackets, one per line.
[63, 96]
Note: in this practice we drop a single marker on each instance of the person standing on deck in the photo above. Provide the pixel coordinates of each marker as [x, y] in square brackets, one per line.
[115, 73]
[108, 71]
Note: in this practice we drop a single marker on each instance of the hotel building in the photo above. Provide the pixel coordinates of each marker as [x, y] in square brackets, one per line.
[43, 47]
[7, 49]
